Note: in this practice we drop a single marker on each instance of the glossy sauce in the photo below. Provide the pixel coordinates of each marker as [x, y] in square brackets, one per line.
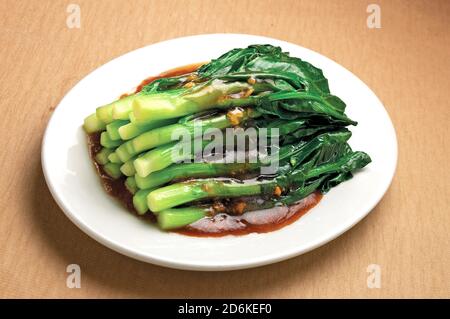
[185, 69]
[114, 187]
[259, 221]
[221, 224]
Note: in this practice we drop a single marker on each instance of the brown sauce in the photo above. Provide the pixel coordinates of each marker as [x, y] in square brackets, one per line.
[114, 187]
[221, 224]
[185, 69]
[259, 221]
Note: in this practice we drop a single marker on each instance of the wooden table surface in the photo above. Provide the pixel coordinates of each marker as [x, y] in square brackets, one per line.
[406, 62]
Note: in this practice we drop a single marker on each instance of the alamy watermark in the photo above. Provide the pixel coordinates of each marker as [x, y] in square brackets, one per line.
[231, 145]
[74, 278]
[374, 278]
[73, 20]
[374, 19]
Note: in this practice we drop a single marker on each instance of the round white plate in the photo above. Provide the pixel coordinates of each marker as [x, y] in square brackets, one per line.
[76, 188]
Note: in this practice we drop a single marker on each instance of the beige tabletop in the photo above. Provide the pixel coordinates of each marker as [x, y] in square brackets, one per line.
[406, 62]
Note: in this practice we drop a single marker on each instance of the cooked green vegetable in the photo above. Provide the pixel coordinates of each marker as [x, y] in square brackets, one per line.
[113, 158]
[176, 218]
[140, 201]
[93, 124]
[259, 87]
[286, 155]
[167, 134]
[292, 181]
[131, 130]
[117, 110]
[173, 104]
[107, 142]
[102, 156]
[113, 170]
[192, 170]
[128, 167]
[113, 129]
[162, 157]
[130, 184]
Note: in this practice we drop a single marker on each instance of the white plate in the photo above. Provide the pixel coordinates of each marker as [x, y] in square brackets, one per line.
[76, 188]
